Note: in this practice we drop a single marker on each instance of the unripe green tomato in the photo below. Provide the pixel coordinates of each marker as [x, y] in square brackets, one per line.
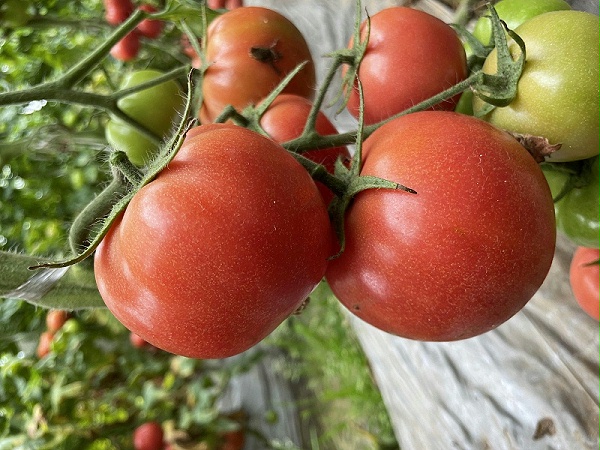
[577, 213]
[71, 326]
[156, 108]
[557, 180]
[557, 94]
[514, 13]
[465, 103]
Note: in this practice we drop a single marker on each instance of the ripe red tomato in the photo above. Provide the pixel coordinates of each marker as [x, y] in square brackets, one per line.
[410, 57]
[137, 341]
[117, 11]
[584, 276]
[250, 50]
[149, 28]
[229, 4]
[219, 249]
[55, 319]
[233, 440]
[43, 348]
[462, 255]
[148, 436]
[127, 48]
[285, 120]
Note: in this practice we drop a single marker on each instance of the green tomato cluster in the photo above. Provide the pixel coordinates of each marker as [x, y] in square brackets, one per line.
[577, 201]
[557, 98]
[155, 108]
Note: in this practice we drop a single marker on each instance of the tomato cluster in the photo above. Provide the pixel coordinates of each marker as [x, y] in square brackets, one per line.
[151, 436]
[558, 99]
[213, 253]
[116, 12]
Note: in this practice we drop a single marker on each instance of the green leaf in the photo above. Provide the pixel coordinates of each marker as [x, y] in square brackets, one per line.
[66, 288]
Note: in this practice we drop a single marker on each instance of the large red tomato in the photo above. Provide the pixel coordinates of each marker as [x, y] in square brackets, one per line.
[249, 51]
[285, 120]
[585, 281]
[462, 255]
[410, 57]
[219, 249]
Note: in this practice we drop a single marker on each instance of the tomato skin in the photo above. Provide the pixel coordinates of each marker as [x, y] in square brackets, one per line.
[229, 4]
[515, 13]
[557, 96]
[148, 27]
[117, 11]
[462, 255]
[219, 249]
[127, 48]
[148, 436]
[55, 319]
[410, 57]
[585, 279]
[284, 120]
[142, 106]
[137, 341]
[43, 348]
[233, 440]
[235, 77]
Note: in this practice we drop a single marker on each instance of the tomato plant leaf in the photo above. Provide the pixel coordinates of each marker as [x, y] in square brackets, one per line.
[65, 288]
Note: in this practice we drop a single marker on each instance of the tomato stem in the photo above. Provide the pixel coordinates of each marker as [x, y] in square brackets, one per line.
[119, 160]
[500, 88]
[463, 12]
[81, 229]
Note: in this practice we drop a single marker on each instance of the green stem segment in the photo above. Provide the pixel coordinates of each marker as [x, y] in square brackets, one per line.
[61, 89]
[136, 180]
[81, 229]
